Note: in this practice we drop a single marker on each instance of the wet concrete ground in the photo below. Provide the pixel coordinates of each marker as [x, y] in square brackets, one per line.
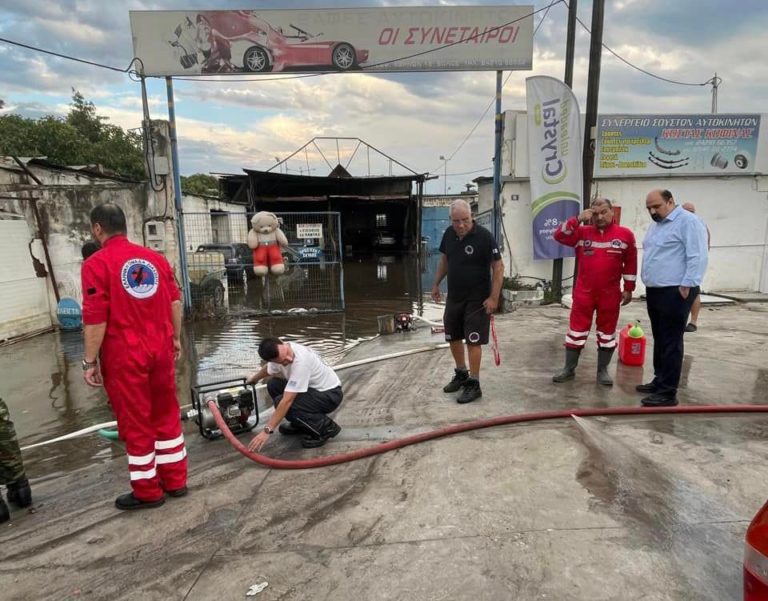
[648, 507]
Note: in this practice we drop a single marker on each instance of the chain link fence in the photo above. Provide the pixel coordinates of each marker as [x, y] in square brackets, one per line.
[220, 265]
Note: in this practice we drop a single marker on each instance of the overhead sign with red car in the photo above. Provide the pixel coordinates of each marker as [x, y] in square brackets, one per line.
[435, 38]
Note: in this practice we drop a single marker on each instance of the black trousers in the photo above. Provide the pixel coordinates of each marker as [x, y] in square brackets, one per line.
[309, 408]
[668, 312]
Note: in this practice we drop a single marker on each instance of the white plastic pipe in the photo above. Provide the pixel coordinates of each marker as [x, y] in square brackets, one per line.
[112, 424]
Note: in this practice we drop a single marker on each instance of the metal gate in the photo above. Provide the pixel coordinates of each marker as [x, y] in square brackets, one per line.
[220, 264]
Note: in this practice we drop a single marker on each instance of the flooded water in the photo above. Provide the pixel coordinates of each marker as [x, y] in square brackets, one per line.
[42, 378]
[373, 287]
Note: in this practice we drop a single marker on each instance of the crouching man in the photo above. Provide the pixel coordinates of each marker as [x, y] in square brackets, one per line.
[304, 390]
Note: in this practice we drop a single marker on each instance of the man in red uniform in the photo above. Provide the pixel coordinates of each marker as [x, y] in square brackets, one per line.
[606, 253]
[132, 324]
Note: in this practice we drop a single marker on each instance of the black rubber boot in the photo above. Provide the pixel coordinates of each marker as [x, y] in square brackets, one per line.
[128, 502]
[569, 369]
[460, 376]
[19, 492]
[603, 360]
[5, 514]
[177, 492]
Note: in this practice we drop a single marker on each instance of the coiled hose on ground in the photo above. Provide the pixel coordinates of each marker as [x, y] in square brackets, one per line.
[300, 464]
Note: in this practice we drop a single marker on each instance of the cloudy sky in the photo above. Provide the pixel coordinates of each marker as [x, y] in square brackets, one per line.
[415, 118]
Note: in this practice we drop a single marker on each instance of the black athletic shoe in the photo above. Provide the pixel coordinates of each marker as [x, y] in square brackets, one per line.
[459, 378]
[471, 391]
[19, 492]
[313, 441]
[691, 327]
[179, 492]
[650, 387]
[5, 513]
[128, 502]
[658, 400]
[291, 429]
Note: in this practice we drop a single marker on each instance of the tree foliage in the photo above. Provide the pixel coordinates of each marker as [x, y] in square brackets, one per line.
[200, 184]
[83, 137]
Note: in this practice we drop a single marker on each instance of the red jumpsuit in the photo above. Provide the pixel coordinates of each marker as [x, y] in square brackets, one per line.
[604, 258]
[131, 288]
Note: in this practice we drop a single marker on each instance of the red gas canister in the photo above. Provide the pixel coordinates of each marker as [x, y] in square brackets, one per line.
[632, 345]
[756, 558]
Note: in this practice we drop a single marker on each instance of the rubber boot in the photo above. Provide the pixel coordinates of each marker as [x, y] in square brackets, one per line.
[19, 492]
[603, 360]
[569, 369]
[5, 513]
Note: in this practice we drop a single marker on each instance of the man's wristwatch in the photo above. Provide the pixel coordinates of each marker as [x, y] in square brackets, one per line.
[268, 430]
[89, 364]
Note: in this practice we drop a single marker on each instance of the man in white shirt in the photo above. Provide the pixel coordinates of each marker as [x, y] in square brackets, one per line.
[304, 390]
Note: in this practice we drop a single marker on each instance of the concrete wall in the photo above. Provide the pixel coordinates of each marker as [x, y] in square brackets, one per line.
[64, 201]
[734, 208]
[201, 226]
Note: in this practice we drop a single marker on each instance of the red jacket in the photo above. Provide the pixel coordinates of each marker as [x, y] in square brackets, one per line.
[604, 257]
[131, 288]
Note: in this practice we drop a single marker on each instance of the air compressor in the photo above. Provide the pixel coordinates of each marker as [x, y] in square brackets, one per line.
[236, 401]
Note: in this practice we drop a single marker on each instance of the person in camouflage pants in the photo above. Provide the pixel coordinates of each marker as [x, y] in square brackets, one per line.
[11, 468]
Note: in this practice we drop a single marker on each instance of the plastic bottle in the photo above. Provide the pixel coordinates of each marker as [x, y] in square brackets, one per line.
[756, 558]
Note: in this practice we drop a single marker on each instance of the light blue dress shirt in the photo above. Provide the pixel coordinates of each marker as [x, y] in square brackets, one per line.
[675, 251]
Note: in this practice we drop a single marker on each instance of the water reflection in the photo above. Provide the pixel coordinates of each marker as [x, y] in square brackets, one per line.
[373, 286]
[42, 378]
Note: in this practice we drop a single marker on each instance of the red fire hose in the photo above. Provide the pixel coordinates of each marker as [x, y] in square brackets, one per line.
[467, 426]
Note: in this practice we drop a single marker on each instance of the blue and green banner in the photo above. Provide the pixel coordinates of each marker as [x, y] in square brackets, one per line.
[653, 145]
[554, 159]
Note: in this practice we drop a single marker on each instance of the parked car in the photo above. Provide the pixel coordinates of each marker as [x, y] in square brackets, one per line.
[230, 41]
[238, 259]
[208, 294]
[756, 558]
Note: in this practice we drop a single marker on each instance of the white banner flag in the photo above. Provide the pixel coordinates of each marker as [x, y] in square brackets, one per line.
[554, 159]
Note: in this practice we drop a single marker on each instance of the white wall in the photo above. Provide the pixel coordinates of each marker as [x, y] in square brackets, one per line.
[734, 208]
[198, 225]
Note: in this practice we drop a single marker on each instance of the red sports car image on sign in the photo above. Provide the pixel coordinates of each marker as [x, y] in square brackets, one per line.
[236, 41]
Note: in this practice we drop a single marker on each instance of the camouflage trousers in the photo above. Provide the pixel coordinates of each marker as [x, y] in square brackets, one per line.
[11, 467]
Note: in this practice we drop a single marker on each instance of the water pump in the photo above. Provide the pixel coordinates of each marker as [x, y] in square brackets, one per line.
[237, 403]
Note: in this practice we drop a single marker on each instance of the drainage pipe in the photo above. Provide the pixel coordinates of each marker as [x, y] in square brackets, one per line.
[473, 425]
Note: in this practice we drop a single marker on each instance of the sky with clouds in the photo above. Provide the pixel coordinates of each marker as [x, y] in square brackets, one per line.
[413, 117]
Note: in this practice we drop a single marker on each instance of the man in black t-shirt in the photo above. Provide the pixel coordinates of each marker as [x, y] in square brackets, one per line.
[472, 261]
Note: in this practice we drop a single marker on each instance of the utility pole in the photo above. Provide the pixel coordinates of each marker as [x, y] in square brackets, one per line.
[445, 175]
[557, 264]
[715, 83]
[497, 162]
[593, 90]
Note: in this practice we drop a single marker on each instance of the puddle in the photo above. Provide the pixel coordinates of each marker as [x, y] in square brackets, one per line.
[42, 378]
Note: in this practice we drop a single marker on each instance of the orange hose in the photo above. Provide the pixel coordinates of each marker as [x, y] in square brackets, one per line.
[301, 464]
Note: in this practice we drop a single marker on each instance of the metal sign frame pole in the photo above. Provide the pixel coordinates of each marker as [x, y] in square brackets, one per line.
[179, 214]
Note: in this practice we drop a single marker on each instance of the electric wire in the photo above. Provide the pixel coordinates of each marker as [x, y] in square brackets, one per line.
[68, 57]
[646, 72]
[493, 100]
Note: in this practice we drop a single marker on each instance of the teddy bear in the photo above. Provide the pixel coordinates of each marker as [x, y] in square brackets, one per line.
[266, 239]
